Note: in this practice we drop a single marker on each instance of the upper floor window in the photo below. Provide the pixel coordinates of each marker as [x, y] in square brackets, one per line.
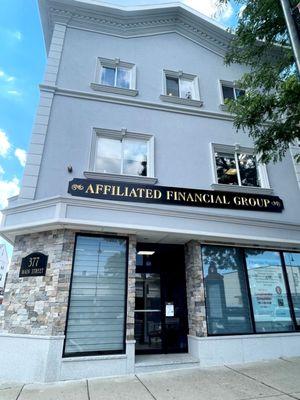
[115, 76]
[123, 153]
[230, 91]
[181, 88]
[235, 165]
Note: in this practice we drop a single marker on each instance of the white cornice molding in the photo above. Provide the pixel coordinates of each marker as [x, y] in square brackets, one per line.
[134, 21]
[162, 210]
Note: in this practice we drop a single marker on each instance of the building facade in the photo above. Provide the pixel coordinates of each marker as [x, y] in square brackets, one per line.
[145, 223]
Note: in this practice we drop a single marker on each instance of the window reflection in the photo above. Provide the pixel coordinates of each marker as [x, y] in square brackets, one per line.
[127, 156]
[268, 291]
[248, 170]
[172, 86]
[292, 262]
[186, 89]
[115, 76]
[226, 293]
[226, 168]
[237, 169]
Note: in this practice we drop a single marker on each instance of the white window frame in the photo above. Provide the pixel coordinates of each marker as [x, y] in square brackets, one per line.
[228, 84]
[237, 149]
[115, 63]
[196, 102]
[121, 135]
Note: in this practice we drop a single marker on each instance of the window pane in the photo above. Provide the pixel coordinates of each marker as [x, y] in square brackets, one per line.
[107, 76]
[226, 168]
[227, 92]
[97, 300]
[172, 86]
[239, 92]
[123, 77]
[108, 157]
[248, 170]
[226, 291]
[186, 89]
[292, 262]
[135, 157]
[268, 291]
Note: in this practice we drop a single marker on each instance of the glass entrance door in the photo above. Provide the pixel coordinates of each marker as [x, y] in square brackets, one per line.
[148, 324]
[160, 301]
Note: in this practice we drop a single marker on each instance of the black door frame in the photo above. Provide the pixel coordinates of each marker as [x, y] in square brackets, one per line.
[163, 282]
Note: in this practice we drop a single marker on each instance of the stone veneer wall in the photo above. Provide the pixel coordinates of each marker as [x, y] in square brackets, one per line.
[38, 305]
[131, 288]
[195, 290]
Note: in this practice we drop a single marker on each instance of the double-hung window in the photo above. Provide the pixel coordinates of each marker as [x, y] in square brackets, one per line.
[230, 91]
[180, 87]
[238, 166]
[115, 76]
[123, 153]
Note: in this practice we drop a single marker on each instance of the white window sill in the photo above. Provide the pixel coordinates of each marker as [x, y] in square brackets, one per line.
[241, 189]
[224, 107]
[120, 178]
[179, 100]
[113, 89]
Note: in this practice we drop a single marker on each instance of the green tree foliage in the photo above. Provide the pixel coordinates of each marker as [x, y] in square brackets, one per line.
[270, 110]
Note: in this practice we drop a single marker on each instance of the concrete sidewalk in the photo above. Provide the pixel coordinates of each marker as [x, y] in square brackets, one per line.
[275, 380]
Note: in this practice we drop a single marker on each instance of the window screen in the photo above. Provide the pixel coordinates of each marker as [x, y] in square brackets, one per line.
[97, 300]
[227, 303]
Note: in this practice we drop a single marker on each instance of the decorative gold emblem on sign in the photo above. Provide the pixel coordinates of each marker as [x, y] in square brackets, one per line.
[77, 187]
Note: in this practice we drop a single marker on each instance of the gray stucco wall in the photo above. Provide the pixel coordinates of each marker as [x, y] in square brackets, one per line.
[182, 142]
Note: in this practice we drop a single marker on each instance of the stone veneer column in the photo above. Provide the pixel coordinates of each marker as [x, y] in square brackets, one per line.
[130, 342]
[195, 290]
[34, 309]
[38, 305]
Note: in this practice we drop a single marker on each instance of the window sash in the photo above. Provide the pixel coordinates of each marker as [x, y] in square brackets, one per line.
[122, 158]
[180, 87]
[116, 76]
[288, 301]
[97, 305]
[237, 92]
[237, 166]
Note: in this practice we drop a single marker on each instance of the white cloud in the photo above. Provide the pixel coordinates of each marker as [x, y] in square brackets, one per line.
[17, 34]
[6, 77]
[8, 189]
[21, 156]
[16, 93]
[4, 144]
[1, 171]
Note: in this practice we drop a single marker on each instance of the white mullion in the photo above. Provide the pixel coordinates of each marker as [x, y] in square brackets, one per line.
[122, 155]
[179, 87]
[116, 72]
[237, 168]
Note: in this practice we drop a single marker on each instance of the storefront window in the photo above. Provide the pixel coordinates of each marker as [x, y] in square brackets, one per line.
[96, 315]
[292, 263]
[268, 291]
[227, 303]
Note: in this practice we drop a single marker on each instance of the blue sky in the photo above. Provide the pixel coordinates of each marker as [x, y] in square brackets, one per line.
[22, 64]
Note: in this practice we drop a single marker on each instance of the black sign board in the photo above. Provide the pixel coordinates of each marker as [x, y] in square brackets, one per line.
[34, 264]
[123, 191]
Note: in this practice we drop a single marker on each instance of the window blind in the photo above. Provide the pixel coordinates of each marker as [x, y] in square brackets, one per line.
[96, 314]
